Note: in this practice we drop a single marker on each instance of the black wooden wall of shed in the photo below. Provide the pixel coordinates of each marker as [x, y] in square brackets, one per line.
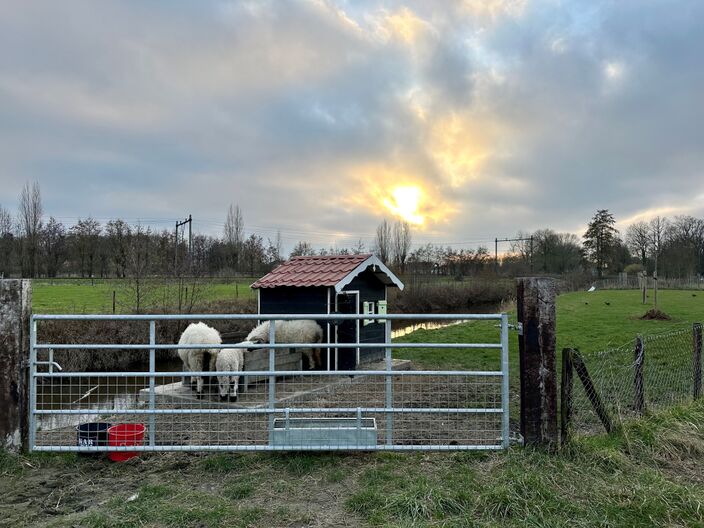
[297, 300]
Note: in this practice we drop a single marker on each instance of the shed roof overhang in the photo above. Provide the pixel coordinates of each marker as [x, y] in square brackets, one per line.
[384, 274]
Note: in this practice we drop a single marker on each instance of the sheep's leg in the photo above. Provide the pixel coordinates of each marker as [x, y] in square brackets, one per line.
[309, 357]
[198, 367]
[223, 386]
[316, 358]
[234, 388]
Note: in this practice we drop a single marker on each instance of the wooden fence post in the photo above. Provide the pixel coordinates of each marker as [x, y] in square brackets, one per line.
[566, 396]
[697, 338]
[15, 312]
[538, 370]
[639, 358]
[599, 407]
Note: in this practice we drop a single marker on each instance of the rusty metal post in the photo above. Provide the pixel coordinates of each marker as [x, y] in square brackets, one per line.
[536, 345]
[15, 313]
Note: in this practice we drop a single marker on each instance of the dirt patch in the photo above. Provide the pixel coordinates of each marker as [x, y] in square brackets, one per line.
[655, 315]
[90, 490]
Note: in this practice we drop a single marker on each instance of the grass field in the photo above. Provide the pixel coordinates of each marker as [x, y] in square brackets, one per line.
[584, 321]
[95, 296]
[649, 473]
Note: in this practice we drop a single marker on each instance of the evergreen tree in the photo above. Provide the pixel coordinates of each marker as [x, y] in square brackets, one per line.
[600, 239]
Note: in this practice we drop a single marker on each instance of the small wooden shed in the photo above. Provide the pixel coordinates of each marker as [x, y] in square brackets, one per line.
[348, 284]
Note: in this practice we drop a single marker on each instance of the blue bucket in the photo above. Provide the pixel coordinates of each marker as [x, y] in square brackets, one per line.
[92, 434]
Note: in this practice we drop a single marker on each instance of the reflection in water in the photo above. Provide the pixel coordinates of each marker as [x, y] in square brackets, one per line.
[425, 325]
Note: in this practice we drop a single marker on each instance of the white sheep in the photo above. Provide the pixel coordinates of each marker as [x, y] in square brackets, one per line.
[303, 331]
[230, 360]
[197, 360]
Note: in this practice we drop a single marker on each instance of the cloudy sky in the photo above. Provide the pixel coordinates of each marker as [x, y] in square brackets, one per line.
[471, 119]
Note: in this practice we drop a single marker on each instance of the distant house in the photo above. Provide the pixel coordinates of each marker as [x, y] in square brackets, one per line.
[347, 284]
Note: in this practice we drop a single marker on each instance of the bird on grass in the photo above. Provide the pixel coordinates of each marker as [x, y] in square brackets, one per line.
[607, 303]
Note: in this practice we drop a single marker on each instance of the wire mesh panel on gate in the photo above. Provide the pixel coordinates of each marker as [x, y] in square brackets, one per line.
[381, 405]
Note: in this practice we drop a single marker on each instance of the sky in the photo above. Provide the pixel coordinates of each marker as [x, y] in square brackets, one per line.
[471, 119]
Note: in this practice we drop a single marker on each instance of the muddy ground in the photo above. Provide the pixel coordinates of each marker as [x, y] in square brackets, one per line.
[178, 490]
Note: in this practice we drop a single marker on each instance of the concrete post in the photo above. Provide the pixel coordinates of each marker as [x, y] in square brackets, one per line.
[15, 312]
[536, 346]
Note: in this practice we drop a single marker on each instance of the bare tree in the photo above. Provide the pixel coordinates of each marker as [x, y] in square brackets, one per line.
[234, 234]
[401, 244]
[638, 240]
[53, 244]
[30, 223]
[382, 244]
[658, 230]
[86, 235]
[6, 242]
[5, 221]
[139, 288]
[273, 250]
[303, 249]
[118, 234]
[358, 248]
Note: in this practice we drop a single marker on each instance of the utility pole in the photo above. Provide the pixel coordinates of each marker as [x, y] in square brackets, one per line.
[190, 236]
[188, 221]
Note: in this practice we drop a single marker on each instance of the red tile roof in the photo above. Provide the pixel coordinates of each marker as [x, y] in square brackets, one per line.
[325, 270]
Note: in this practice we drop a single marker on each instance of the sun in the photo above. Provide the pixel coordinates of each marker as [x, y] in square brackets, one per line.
[405, 202]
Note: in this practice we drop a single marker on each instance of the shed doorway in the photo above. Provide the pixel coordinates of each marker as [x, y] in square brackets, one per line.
[347, 302]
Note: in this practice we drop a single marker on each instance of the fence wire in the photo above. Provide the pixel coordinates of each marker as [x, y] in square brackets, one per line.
[648, 374]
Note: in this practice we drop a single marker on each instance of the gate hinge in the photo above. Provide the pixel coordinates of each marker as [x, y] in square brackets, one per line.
[517, 326]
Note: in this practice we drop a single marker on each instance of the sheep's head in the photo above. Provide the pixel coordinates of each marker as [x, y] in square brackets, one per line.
[251, 345]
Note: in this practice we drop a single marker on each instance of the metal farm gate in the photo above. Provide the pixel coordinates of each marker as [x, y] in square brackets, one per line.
[378, 406]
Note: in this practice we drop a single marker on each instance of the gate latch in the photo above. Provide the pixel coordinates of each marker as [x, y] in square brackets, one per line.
[51, 363]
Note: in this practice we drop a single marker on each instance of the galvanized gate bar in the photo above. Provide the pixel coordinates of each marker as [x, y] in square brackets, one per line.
[267, 410]
[264, 317]
[147, 346]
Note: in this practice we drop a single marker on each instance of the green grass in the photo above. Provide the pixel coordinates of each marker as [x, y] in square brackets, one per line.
[635, 478]
[647, 474]
[584, 321]
[95, 296]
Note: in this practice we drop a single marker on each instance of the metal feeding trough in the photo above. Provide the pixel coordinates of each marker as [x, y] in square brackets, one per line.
[323, 433]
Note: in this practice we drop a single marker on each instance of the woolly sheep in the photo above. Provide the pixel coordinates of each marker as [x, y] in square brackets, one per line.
[304, 331]
[197, 360]
[232, 360]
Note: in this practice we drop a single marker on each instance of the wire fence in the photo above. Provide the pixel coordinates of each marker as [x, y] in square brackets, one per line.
[653, 372]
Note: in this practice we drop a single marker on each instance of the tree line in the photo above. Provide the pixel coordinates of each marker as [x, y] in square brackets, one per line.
[34, 246]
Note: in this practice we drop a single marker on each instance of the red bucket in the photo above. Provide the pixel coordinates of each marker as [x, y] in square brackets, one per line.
[120, 435]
